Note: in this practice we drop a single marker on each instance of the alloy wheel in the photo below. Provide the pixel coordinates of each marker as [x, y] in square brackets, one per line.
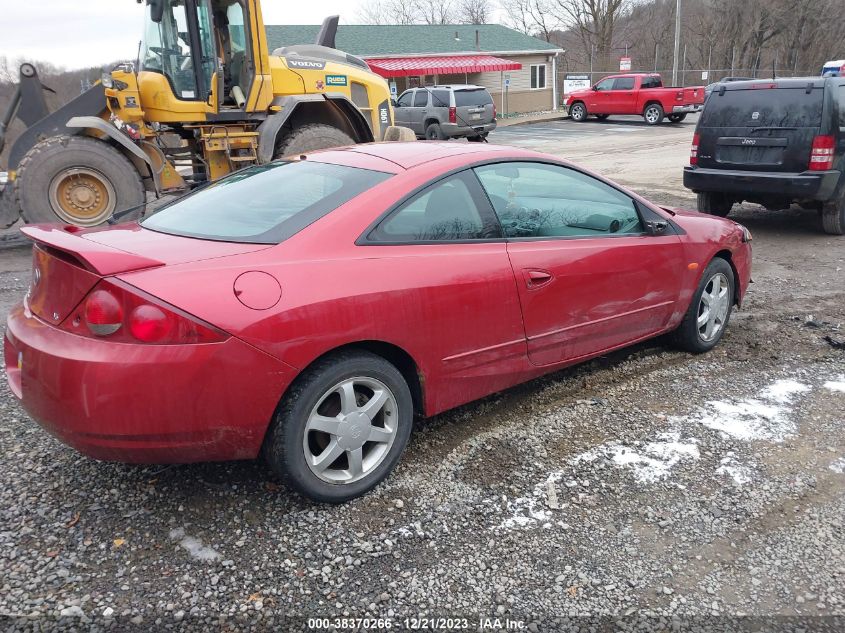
[652, 115]
[351, 430]
[713, 307]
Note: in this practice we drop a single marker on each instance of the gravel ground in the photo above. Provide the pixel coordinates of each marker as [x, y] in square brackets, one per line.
[644, 486]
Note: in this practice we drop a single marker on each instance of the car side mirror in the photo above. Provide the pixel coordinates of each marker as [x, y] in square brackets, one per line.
[595, 88]
[393, 102]
[656, 227]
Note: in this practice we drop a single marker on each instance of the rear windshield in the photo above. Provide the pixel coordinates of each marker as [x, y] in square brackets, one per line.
[774, 107]
[472, 97]
[265, 204]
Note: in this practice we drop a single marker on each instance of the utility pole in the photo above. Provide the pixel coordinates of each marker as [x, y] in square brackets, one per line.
[677, 44]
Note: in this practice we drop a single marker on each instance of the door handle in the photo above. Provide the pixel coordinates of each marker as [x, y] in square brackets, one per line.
[535, 278]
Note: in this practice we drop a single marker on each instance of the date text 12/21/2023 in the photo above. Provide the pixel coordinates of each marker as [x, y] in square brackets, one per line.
[419, 623]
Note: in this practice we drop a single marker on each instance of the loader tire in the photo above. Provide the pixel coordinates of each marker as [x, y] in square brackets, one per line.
[309, 138]
[9, 211]
[76, 180]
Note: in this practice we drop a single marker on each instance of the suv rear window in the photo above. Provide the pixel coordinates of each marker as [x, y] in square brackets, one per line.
[773, 107]
[265, 204]
[478, 97]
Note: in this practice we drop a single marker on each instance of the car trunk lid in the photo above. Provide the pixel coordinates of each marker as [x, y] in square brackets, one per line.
[760, 127]
[67, 262]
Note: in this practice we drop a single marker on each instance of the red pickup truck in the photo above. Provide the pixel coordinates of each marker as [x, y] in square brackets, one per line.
[637, 93]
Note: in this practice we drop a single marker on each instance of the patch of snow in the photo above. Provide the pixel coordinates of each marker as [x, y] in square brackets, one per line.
[529, 510]
[836, 385]
[766, 417]
[838, 466]
[782, 391]
[729, 466]
[653, 463]
[193, 545]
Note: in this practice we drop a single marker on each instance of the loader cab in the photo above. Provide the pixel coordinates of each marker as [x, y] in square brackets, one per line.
[204, 49]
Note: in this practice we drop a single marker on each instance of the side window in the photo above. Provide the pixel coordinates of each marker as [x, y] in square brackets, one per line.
[440, 98]
[421, 98]
[539, 200]
[842, 106]
[605, 84]
[624, 83]
[405, 100]
[445, 211]
[652, 82]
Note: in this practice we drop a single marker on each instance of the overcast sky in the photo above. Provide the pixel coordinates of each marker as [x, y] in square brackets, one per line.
[79, 33]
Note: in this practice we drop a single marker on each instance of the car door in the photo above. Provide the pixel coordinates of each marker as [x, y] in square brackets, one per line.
[453, 281]
[418, 111]
[599, 100]
[623, 96]
[402, 112]
[589, 276]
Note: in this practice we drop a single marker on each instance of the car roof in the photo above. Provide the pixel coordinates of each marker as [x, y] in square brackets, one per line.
[457, 86]
[780, 82]
[394, 157]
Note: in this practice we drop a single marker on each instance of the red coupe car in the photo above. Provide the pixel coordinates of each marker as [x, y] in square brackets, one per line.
[307, 310]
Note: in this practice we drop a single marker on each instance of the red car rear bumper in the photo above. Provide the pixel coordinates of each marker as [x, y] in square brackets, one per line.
[144, 403]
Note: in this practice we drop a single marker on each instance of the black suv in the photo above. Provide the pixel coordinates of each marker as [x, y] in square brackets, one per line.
[772, 142]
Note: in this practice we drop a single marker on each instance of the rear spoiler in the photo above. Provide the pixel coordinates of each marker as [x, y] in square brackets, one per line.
[98, 258]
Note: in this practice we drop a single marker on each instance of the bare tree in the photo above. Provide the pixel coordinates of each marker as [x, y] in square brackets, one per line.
[532, 17]
[473, 11]
[594, 21]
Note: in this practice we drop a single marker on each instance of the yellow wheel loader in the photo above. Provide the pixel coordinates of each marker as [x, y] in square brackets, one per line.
[206, 97]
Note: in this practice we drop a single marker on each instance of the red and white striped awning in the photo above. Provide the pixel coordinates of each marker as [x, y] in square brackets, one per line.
[405, 66]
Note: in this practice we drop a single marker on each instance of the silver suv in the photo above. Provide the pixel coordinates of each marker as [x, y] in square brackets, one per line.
[444, 112]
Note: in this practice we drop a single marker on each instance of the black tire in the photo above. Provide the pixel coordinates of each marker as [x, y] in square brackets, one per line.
[833, 218]
[677, 118]
[310, 138]
[653, 114]
[688, 336]
[283, 446]
[578, 112]
[602, 117]
[714, 203]
[48, 169]
[433, 132]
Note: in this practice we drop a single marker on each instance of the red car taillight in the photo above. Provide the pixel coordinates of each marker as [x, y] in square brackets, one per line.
[453, 115]
[821, 155]
[117, 312]
[103, 313]
[693, 150]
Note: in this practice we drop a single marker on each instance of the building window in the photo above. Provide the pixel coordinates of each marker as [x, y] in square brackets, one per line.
[538, 76]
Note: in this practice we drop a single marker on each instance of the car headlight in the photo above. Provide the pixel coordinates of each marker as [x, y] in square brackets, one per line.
[107, 80]
[746, 234]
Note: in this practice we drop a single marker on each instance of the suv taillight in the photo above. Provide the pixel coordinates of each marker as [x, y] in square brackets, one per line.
[117, 312]
[693, 150]
[453, 115]
[494, 111]
[821, 155]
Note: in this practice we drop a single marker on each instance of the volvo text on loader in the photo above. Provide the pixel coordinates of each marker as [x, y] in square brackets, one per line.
[205, 98]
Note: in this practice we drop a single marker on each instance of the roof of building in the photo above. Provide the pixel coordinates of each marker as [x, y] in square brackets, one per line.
[366, 40]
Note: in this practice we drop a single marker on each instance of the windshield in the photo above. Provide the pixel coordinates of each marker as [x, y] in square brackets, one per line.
[166, 48]
[265, 204]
